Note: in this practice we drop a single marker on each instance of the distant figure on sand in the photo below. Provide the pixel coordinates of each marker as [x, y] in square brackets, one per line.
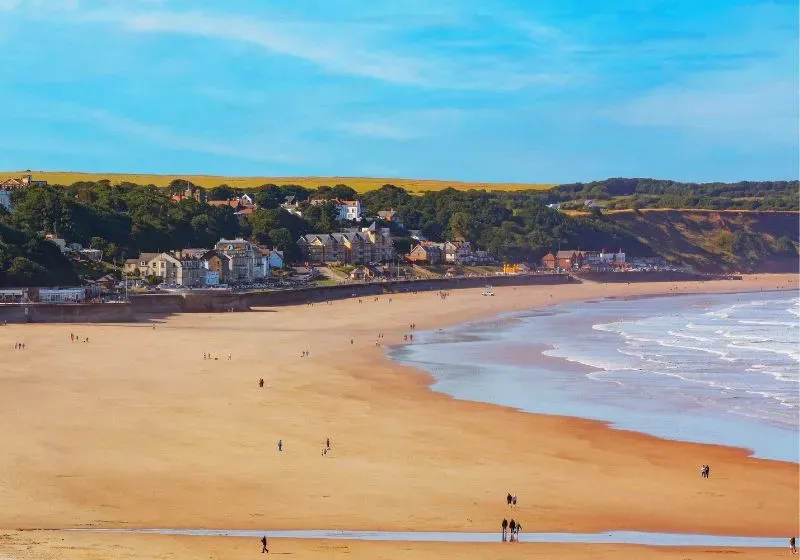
[792, 546]
[261, 382]
[264, 545]
[328, 443]
[280, 445]
[513, 529]
[514, 501]
[508, 499]
[504, 525]
[519, 528]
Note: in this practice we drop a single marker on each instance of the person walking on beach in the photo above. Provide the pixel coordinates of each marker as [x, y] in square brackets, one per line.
[792, 546]
[504, 525]
[328, 442]
[280, 445]
[513, 529]
[264, 545]
[508, 499]
[514, 501]
[261, 382]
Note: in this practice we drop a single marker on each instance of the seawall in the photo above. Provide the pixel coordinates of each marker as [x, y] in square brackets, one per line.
[149, 306]
[67, 313]
[663, 276]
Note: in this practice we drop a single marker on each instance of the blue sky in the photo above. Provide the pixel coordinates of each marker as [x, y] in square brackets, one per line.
[475, 90]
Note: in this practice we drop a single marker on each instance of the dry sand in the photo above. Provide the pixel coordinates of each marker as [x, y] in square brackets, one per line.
[136, 429]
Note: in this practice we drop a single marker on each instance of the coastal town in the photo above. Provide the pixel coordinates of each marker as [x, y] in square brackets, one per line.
[358, 247]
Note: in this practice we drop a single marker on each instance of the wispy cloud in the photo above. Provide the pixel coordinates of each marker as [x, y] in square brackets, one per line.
[166, 137]
[733, 108]
[349, 48]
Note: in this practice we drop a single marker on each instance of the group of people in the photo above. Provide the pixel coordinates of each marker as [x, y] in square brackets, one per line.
[511, 528]
[75, 338]
[511, 500]
[19, 346]
[305, 353]
[705, 470]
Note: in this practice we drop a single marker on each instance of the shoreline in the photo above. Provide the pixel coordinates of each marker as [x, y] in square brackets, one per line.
[544, 360]
[405, 457]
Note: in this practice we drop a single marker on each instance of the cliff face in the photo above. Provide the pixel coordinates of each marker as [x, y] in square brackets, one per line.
[719, 241]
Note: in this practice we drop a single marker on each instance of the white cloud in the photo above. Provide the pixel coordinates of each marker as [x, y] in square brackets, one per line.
[742, 108]
[372, 50]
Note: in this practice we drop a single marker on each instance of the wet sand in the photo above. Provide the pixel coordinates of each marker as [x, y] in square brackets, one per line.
[59, 545]
[136, 429]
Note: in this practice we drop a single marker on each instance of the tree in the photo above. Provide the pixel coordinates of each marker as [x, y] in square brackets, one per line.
[460, 225]
[281, 238]
[222, 192]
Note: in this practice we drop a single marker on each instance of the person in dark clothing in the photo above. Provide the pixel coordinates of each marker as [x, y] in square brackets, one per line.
[512, 528]
[792, 546]
[505, 528]
[280, 445]
[328, 443]
[519, 528]
[508, 500]
[264, 545]
[261, 382]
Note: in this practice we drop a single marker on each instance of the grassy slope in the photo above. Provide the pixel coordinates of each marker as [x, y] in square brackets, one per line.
[360, 184]
[702, 237]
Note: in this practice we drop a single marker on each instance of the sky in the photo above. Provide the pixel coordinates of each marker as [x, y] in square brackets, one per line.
[540, 91]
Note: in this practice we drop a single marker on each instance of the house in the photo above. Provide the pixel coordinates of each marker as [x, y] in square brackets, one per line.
[361, 274]
[244, 258]
[245, 211]
[417, 235]
[232, 203]
[180, 270]
[7, 186]
[391, 216]
[555, 206]
[349, 210]
[426, 253]
[217, 265]
[107, 283]
[567, 260]
[292, 207]
[457, 252]
[189, 193]
[145, 265]
[276, 259]
[372, 244]
[21, 183]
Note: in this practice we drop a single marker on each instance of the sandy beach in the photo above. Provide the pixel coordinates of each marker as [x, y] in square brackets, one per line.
[136, 429]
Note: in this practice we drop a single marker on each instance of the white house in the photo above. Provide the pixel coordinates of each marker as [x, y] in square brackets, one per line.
[349, 210]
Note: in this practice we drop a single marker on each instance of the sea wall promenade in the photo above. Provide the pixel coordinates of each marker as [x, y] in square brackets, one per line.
[144, 306]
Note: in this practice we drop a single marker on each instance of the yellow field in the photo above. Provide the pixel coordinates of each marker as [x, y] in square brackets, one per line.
[360, 184]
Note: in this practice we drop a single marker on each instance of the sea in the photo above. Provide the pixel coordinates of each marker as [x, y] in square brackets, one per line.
[720, 369]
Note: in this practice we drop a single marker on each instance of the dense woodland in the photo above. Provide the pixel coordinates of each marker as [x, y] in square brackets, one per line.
[124, 219]
[655, 193]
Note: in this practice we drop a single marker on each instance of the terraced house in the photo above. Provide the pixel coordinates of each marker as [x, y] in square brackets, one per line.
[371, 244]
